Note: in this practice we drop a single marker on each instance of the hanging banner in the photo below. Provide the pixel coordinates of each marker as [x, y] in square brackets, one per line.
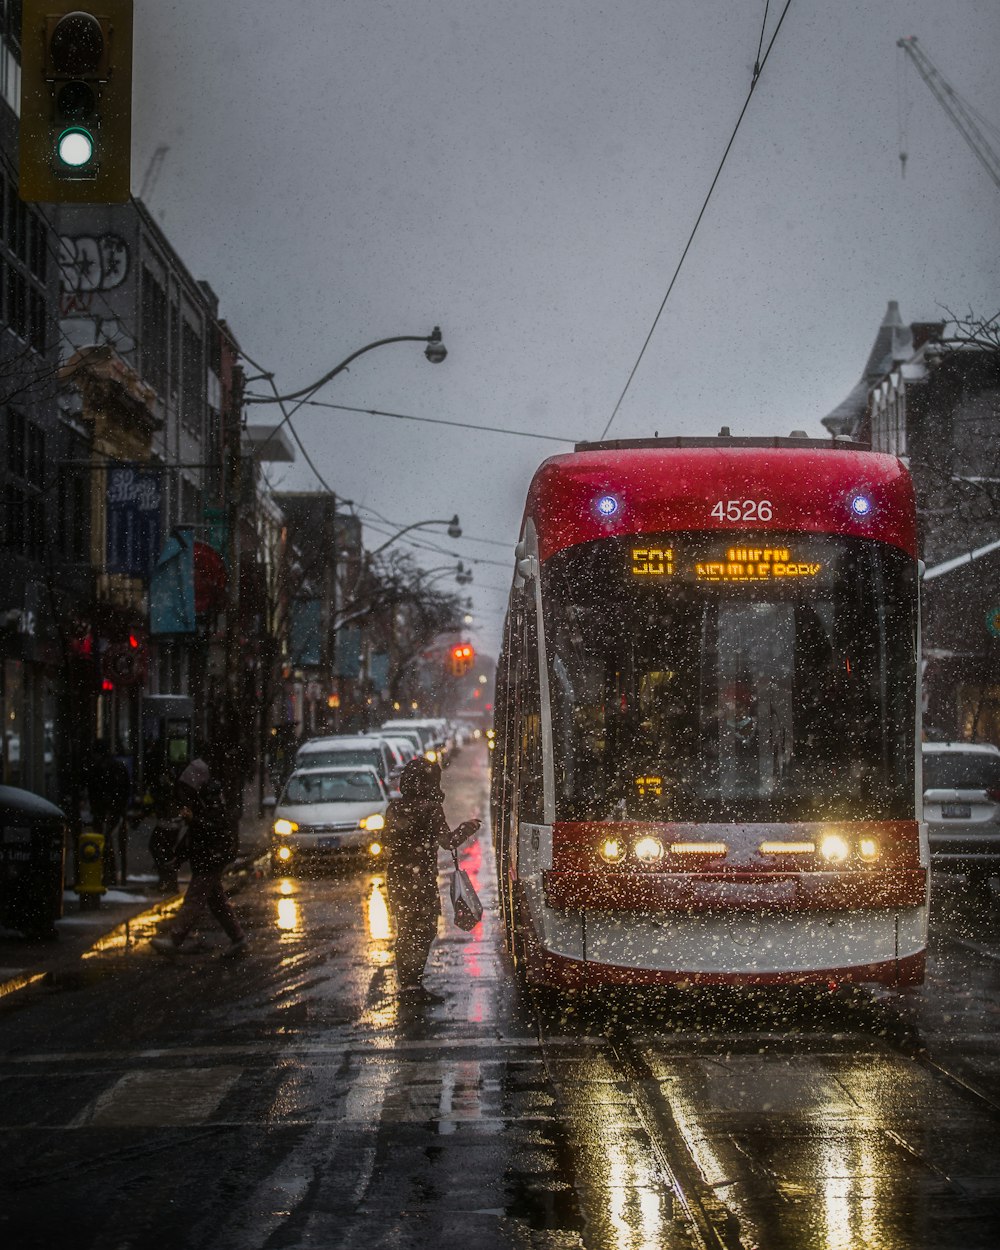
[378, 672]
[347, 653]
[305, 632]
[133, 497]
[171, 587]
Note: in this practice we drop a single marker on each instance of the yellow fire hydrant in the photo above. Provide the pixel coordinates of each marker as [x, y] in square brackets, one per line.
[90, 869]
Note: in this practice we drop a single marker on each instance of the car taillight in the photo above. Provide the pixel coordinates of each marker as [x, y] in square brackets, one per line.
[994, 794]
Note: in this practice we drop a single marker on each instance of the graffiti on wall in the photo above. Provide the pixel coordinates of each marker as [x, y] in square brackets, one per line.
[89, 267]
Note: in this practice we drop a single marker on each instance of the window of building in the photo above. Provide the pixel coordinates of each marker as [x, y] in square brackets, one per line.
[38, 247]
[193, 384]
[38, 321]
[13, 519]
[71, 516]
[154, 332]
[16, 442]
[34, 467]
[175, 349]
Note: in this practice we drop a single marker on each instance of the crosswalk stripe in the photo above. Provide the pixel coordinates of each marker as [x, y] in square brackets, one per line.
[159, 1098]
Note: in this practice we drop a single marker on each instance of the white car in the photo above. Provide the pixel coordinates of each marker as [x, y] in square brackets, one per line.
[962, 808]
[325, 813]
[353, 750]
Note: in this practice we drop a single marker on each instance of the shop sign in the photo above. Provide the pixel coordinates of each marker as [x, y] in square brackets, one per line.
[134, 496]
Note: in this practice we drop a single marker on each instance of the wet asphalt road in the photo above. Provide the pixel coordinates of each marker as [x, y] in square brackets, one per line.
[290, 1100]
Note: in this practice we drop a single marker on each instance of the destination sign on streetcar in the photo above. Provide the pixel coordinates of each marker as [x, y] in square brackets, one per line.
[687, 559]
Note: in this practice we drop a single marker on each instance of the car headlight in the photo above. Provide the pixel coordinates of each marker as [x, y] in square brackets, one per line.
[834, 848]
[431, 755]
[375, 821]
[284, 827]
[284, 852]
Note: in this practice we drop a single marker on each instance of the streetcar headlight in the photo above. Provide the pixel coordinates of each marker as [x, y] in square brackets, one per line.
[375, 821]
[284, 852]
[375, 848]
[284, 827]
[649, 850]
[868, 849]
[612, 851]
[834, 848]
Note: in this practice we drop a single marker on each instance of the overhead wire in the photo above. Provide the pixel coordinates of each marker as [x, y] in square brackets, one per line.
[758, 70]
[463, 425]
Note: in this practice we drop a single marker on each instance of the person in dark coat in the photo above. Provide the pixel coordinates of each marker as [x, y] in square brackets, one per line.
[415, 826]
[108, 788]
[210, 845]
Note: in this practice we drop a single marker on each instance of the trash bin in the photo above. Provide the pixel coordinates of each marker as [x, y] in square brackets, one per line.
[32, 862]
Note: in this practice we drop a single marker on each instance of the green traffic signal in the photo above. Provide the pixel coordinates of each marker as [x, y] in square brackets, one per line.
[76, 102]
[75, 148]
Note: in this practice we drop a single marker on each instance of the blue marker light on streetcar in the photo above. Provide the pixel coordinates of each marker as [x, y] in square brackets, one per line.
[861, 505]
[607, 505]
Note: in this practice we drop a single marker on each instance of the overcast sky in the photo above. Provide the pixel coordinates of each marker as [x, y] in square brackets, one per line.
[525, 173]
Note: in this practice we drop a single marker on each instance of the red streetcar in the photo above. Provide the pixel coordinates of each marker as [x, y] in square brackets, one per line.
[706, 767]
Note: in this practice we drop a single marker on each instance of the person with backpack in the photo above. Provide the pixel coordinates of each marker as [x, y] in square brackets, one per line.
[210, 844]
[415, 826]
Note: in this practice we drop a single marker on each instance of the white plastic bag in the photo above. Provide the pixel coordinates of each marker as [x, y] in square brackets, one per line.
[464, 899]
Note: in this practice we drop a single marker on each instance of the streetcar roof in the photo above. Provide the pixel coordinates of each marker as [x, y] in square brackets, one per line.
[668, 485]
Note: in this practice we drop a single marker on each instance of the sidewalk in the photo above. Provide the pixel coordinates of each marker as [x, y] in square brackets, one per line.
[127, 913]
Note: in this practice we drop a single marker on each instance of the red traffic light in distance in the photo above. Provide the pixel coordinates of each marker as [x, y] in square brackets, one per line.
[462, 656]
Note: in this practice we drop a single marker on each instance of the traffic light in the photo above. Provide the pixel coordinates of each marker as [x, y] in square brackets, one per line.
[462, 656]
[76, 102]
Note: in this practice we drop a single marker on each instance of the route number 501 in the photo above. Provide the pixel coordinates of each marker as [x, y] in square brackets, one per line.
[743, 510]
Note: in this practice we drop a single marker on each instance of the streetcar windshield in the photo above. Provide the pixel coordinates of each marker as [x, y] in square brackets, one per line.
[694, 679]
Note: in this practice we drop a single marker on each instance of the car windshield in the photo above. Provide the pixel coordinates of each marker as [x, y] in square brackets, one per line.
[357, 787]
[345, 758]
[960, 770]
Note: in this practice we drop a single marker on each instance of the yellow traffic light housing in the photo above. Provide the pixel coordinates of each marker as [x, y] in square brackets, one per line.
[76, 102]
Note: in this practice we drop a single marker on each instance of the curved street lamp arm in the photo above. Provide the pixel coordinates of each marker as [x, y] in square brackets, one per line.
[406, 529]
[432, 338]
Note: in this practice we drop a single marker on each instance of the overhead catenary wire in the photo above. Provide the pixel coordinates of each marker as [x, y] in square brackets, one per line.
[758, 70]
[462, 425]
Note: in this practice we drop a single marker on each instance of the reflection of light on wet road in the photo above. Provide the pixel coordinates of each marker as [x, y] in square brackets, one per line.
[378, 912]
[136, 929]
[289, 919]
[473, 864]
[288, 914]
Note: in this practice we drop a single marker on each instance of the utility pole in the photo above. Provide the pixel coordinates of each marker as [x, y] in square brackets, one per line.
[329, 613]
[233, 745]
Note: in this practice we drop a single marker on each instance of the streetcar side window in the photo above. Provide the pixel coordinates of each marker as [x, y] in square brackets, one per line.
[529, 746]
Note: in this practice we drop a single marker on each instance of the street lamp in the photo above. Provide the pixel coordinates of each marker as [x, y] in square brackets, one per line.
[435, 351]
[454, 531]
[461, 574]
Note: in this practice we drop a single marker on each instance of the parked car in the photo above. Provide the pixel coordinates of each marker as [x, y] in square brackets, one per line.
[411, 735]
[962, 807]
[353, 750]
[326, 813]
[408, 748]
[432, 732]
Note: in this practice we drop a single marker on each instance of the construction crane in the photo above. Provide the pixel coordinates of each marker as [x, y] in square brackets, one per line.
[153, 172]
[965, 118]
